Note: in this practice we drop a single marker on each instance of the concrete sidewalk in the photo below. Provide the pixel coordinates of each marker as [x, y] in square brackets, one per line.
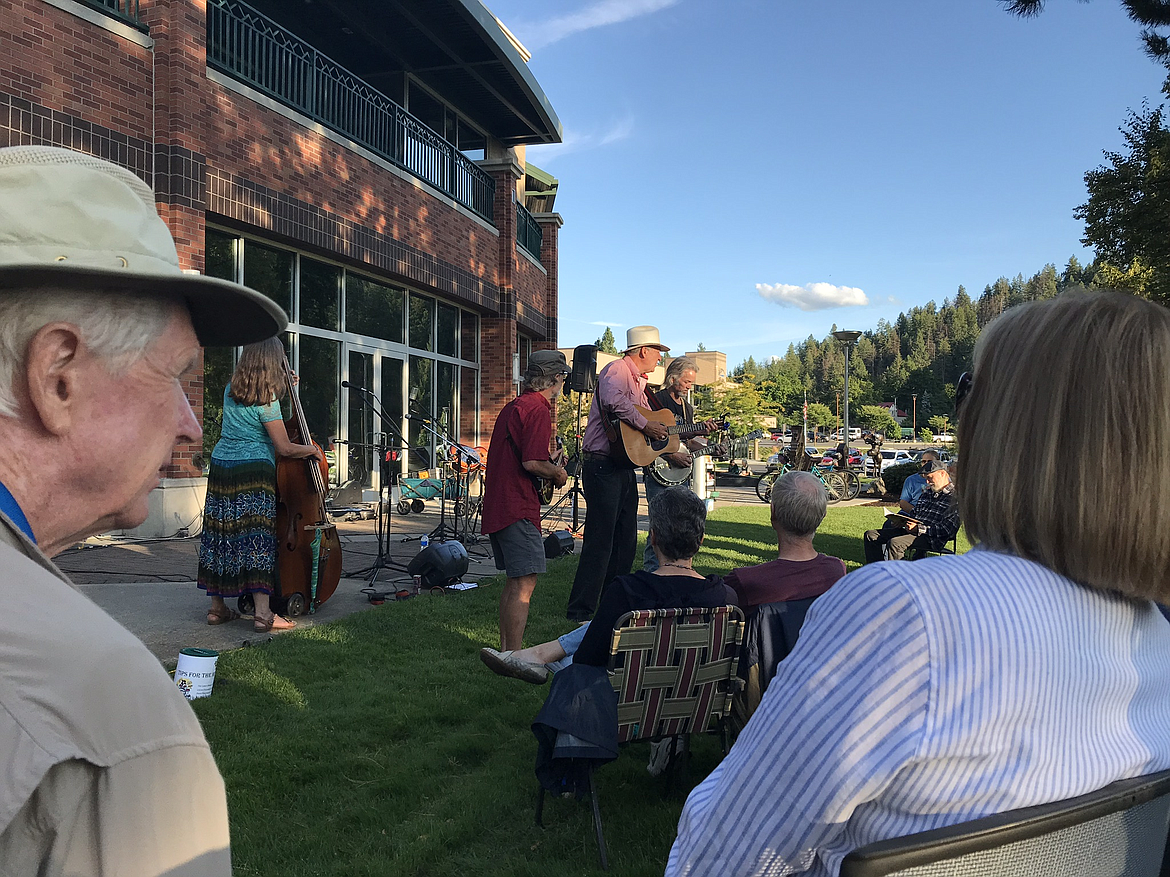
[149, 585]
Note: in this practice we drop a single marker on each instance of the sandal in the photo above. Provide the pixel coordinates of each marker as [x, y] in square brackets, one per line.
[214, 617]
[276, 622]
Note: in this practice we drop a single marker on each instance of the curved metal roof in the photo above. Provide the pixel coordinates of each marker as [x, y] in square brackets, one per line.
[456, 48]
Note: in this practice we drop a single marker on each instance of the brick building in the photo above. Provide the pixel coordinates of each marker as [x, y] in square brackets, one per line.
[360, 162]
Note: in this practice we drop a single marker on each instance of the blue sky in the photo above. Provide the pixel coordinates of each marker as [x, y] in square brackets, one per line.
[727, 161]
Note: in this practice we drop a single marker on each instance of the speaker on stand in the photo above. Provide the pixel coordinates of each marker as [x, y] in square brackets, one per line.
[583, 378]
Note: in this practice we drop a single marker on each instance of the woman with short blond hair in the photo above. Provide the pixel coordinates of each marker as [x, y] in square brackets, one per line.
[1032, 669]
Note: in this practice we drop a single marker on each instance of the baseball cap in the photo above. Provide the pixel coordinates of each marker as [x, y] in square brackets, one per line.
[547, 364]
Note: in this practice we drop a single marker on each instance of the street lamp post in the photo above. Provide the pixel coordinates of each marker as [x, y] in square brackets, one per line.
[914, 428]
[848, 338]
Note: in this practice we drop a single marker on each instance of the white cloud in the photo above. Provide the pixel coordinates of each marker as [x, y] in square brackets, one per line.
[603, 323]
[536, 35]
[813, 296]
[576, 141]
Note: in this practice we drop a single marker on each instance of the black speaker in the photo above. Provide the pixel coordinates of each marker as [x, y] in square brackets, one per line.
[440, 565]
[558, 543]
[584, 376]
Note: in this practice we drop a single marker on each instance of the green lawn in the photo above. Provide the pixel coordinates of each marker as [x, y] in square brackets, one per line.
[380, 745]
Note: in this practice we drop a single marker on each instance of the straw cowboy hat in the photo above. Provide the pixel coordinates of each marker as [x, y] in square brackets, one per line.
[643, 336]
[78, 222]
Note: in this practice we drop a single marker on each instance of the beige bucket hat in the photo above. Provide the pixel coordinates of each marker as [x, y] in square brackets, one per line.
[643, 336]
[70, 219]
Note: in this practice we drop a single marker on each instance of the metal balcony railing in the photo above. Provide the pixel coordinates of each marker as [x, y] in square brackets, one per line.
[247, 45]
[126, 10]
[529, 234]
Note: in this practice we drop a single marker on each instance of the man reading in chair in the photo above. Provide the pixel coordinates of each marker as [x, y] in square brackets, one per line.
[933, 523]
[677, 522]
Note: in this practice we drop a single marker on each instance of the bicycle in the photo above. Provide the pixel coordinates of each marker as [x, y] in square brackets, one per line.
[835, 484]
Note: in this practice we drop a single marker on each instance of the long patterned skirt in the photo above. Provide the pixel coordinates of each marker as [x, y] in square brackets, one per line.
[237, 551]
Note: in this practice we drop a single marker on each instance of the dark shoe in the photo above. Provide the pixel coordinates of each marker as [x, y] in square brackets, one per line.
[503, 664]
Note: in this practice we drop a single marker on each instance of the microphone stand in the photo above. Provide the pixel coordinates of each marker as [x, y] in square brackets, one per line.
[383, 559]
[442, 531]
[575, 493]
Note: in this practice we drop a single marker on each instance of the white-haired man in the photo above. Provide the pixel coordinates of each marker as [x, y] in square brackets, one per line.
[104, 768]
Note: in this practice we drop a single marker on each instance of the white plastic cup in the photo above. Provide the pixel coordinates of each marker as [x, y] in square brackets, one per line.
[195, 672]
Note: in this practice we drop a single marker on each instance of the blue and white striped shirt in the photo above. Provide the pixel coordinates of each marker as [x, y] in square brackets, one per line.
[925, 694]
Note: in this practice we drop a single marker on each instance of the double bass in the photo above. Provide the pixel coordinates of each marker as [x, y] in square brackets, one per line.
[308, 561]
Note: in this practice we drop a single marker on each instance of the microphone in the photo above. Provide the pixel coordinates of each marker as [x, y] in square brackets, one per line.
[348, 385]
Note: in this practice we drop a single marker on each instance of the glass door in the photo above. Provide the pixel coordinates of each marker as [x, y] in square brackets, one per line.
[375, 388]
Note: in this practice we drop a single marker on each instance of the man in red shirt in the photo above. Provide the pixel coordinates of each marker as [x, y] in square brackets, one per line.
[799, 571]
[518, 451]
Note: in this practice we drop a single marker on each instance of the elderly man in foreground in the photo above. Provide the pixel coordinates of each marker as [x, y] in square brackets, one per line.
[104, 768]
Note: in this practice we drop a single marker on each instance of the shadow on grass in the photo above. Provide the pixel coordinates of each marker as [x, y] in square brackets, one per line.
[380, 745]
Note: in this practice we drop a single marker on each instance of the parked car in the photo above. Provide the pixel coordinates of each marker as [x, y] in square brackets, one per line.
[830, 458]
[944, 456]
[944, 437]
[895, 457]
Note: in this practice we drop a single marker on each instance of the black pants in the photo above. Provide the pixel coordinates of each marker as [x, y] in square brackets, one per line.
[611, 532]
[898, 540]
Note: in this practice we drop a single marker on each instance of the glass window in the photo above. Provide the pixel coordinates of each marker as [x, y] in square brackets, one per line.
[360, 419]
[269, 271]
[219, 255]
[468, 407]
[422, 319]
[373, 309]
[445, 399]
[448, 330]
[392, 393]
[318, 390]
[421, 400]
[218, 363]
[470, 331]
[319, 293]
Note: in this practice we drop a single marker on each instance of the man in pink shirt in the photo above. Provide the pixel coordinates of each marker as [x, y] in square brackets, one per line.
[611, 487]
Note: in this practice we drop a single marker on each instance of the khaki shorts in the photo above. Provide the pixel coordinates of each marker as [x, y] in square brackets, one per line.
[519, 550]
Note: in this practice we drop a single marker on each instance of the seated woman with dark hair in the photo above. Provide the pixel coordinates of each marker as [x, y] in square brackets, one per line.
[677, 522]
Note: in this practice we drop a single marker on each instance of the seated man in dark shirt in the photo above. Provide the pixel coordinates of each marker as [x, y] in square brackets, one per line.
[933, 523]
[799, 571]
[677, 522]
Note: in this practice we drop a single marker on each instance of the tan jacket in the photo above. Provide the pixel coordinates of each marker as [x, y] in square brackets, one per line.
[104, 769]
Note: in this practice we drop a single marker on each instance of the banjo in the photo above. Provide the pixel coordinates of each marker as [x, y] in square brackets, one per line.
[667, 475]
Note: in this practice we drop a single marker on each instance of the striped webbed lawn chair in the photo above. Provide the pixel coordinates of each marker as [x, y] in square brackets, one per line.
[674, 674]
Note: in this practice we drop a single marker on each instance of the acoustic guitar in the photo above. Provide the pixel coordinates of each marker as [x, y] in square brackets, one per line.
[633, 447]
[669, 475]
[545, 487]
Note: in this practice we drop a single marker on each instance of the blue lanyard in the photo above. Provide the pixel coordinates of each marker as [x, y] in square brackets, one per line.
[10, 508]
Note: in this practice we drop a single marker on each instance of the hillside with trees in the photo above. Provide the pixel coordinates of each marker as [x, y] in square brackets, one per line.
[922, 352]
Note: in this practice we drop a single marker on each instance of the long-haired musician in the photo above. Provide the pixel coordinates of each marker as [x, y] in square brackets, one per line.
[680, 378]
[519, 450]
[237, 550]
